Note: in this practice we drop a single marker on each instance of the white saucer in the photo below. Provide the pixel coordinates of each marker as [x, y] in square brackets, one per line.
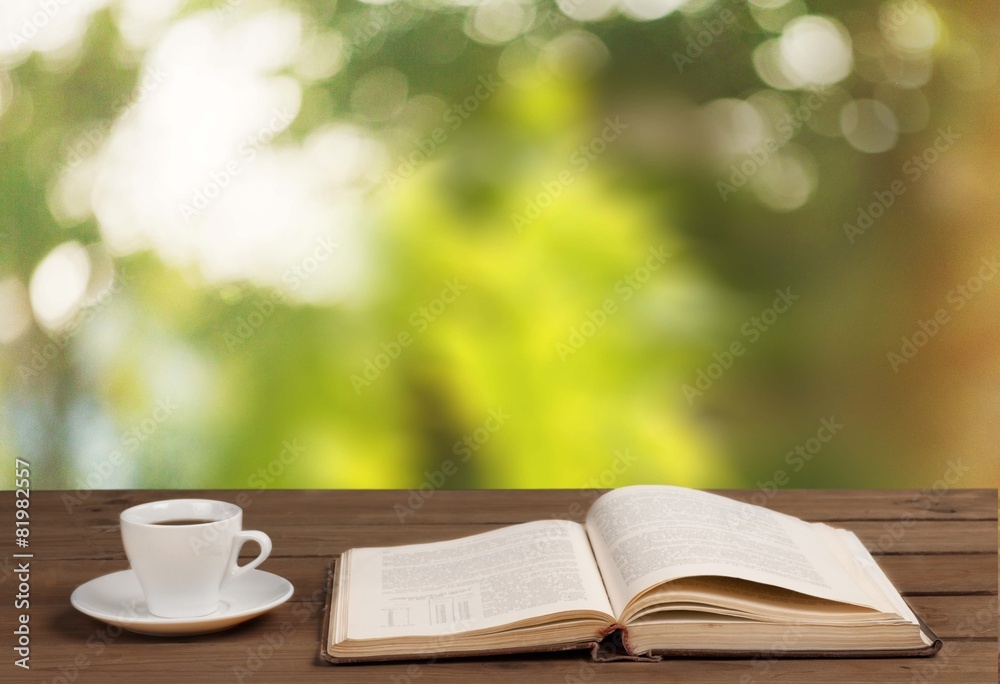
[118, 600]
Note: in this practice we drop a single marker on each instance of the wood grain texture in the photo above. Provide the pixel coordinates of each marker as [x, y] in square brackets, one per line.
[102, 539]
[940, 548]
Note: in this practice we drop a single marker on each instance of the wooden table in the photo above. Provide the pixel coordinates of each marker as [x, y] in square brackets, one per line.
[940, 549]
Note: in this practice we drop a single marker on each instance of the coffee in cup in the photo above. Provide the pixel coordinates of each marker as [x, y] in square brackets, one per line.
[183, 551]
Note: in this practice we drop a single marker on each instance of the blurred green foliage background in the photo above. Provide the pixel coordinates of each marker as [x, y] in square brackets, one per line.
[509, 243]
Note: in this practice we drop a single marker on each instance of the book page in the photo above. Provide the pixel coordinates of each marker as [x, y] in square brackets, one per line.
[486, 580]
[649, 534]
[874, 573]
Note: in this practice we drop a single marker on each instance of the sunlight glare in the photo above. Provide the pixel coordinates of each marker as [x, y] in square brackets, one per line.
[203, 171]
[59, 285]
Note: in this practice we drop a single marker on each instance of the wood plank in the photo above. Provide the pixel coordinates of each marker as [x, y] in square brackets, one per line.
[314, 538]
[54, 581]
[246, 654]
[511, 506]
[925, 536]
[958, 616]
[942, 573]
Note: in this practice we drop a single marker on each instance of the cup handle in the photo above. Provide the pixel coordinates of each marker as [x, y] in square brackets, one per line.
[235, 569]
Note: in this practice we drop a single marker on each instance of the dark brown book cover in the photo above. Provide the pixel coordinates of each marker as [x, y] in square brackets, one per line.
[614, 646]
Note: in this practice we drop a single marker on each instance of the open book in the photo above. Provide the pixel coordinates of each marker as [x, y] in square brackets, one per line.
[656, 570]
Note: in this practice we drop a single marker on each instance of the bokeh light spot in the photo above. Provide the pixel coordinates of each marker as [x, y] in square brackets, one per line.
[910, 25]
[787, 180]
[574, 55]
[770, 66]
[59, 285]
[869, 126]
[379, 94]
[817, 50]
[15, 312]
[773, 15]
[587, 10]
[648, 10]
[498, 21]
[736, 126]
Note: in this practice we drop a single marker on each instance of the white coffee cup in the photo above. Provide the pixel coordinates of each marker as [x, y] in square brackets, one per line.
[183, 551]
